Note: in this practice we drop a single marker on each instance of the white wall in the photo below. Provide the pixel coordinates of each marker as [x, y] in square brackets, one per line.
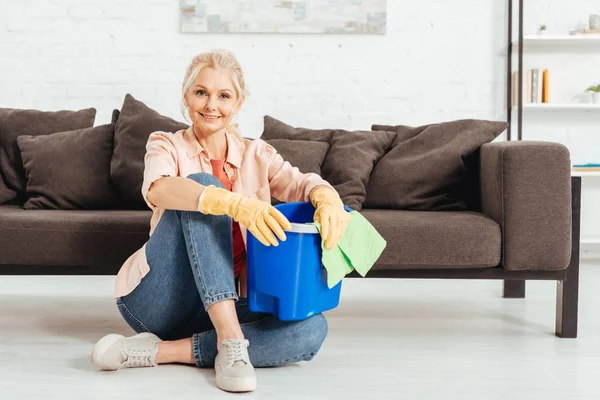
[440, 60]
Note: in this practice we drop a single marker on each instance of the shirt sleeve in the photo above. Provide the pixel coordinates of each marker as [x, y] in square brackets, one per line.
[160, 160]
[286, 182]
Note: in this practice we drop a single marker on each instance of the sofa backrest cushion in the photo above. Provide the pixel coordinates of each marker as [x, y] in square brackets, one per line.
[136, 121]
[305, 155]
[275, 129]
[428, 167]
[17, 122]
[69, 170]
[115, 116]
[349, 161]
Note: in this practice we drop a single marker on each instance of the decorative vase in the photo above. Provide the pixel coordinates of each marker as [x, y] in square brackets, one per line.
[596, 97]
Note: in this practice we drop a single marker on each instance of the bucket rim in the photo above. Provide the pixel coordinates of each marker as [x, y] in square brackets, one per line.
[303, 228]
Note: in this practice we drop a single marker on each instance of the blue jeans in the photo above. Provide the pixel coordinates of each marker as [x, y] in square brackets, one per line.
[191, 267]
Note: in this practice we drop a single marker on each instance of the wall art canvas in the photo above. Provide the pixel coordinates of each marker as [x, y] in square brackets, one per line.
[283, 16]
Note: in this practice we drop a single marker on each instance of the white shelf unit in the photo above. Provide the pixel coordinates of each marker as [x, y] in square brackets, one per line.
[585, 173]
[592, 39]
[550, 40]
[591, 240]
[561, 106]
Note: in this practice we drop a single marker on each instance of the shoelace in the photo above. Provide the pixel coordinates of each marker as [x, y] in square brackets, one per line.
[234, 349]
[139, 358]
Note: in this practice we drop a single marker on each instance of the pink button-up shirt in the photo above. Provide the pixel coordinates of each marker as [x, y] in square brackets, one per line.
[254, 167]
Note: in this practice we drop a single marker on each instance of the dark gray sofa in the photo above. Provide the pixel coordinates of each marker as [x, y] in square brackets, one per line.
[525, 226]
[507, 240]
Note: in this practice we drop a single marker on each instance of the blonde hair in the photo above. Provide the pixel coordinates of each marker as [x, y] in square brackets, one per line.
[216, 59]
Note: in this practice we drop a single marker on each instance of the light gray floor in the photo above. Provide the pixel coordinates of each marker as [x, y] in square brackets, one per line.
[388, 339]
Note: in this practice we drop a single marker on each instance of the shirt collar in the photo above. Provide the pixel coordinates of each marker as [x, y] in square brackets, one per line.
[235, 147]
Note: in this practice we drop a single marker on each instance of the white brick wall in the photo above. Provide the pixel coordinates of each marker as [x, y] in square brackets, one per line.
[440, 60]
[70, 54]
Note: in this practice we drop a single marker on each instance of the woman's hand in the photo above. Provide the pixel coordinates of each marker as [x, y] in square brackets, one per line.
[261, 218]
[330, 214]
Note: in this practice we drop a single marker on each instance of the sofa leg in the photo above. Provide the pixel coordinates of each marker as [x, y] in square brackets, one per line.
[567, 290]
[567, 296]
[567, 300]
[514, 289]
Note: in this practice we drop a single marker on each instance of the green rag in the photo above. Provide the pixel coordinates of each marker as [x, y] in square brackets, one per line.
[359, 248]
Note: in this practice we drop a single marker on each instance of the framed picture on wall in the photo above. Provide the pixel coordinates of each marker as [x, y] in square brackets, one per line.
[283, 16]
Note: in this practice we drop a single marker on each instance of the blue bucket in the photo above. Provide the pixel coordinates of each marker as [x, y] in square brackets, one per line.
[289, 280]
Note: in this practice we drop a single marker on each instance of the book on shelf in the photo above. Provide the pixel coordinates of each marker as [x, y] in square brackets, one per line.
[529, 84]
[586, 167]
[545, 87]
[535, 86]
[534, 82]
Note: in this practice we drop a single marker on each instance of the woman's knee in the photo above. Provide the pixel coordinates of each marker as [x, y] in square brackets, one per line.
[205, 179]
[316, 331]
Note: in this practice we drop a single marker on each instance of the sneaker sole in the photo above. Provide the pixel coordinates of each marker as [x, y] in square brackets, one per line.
[236, 384]
[102, 346]
[100, 349]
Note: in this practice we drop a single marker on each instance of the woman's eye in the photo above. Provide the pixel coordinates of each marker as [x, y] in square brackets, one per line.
[225, 96]
[200, 92]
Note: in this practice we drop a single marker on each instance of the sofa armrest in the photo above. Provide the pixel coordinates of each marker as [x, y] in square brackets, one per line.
[526, 188]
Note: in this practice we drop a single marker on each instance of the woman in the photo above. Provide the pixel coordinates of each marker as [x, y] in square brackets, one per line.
[207, 186]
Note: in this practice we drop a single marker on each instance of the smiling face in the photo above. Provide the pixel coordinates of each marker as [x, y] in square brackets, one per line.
[212, 100]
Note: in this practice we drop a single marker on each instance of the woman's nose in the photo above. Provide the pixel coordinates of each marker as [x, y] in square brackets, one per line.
[210, 104]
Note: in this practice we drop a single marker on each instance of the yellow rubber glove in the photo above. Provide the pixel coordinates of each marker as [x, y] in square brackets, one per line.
[262, 219]
[330, 214]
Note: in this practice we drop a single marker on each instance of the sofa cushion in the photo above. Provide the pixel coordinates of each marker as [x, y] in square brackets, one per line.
[426, 239]
[135, 123]
[75, 179]
[349, 161]
[305, 155]
[295, 152]
[432, 167]
[115, 116]
[16, 122]
[275, 129]
[71, 237]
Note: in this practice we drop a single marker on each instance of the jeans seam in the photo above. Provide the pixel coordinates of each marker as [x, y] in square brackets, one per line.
[198, 348]
[193, 246]
[215, 298]
[136, 320]
[197, 352]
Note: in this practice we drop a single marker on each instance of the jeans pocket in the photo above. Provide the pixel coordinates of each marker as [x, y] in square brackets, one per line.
[135, 324]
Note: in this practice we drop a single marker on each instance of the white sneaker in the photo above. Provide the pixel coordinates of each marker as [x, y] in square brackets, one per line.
[234, 372]
[115, 351]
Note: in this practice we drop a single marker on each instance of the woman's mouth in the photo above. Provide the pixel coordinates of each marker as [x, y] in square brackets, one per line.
[209, 117]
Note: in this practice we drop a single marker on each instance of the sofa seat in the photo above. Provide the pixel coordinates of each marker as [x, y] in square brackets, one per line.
[70, 237]
[425, 239]
[416, 239]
